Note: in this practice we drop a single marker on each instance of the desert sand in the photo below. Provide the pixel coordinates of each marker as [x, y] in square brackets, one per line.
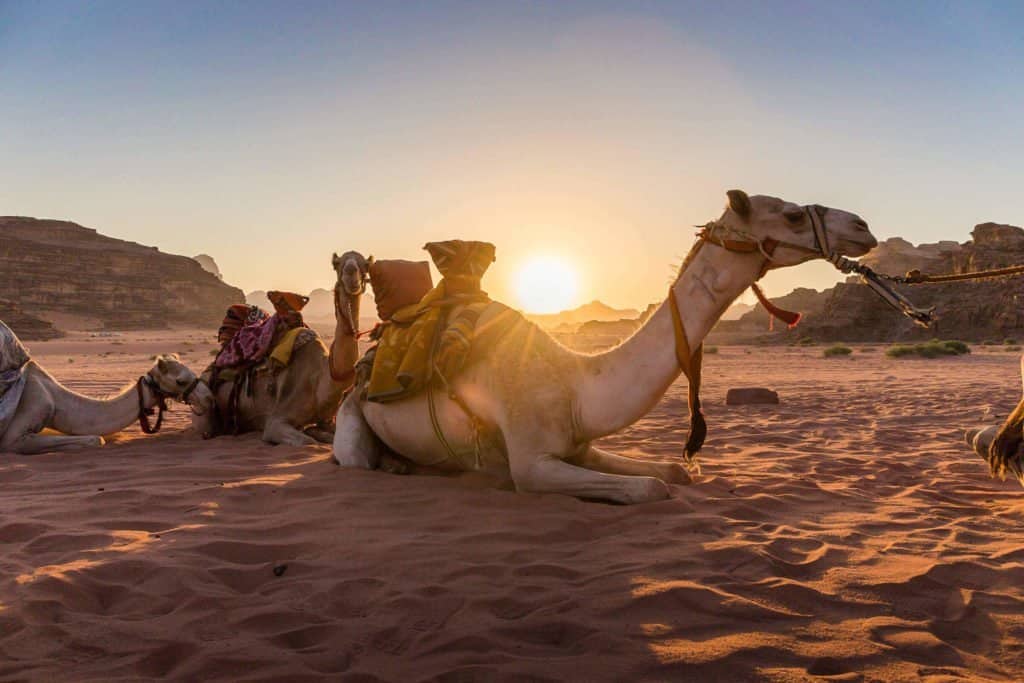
[846, 534]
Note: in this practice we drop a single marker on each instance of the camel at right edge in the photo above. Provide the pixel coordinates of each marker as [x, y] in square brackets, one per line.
[538, 406]
[1002, 447]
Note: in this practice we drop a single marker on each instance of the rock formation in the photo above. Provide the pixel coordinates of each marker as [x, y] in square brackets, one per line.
[972, 310]
[51, 267]
[27, 327]
[209, 265]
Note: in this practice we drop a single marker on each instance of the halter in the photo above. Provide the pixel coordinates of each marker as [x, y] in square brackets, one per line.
[150, 382]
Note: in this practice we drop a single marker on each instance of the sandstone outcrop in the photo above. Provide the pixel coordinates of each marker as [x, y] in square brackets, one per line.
[51, 267]
[971, 310]
[27, 327]
[209, 265]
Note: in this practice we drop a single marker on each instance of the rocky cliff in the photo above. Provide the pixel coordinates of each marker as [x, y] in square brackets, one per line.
[50, 267]
[27, 327]
[972, 310]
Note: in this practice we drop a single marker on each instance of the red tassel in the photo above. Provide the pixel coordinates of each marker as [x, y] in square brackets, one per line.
[788, 317]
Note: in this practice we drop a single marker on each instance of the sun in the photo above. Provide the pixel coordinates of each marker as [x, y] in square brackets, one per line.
[546, 284]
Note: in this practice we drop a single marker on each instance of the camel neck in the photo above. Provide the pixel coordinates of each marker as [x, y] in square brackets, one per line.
[624, 384]
[346, 320]
[345, 346]
[81, 415]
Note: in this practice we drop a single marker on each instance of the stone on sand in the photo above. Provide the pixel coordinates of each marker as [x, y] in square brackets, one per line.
[751, 396]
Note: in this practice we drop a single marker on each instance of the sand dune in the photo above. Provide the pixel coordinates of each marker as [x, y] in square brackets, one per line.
[843, 535]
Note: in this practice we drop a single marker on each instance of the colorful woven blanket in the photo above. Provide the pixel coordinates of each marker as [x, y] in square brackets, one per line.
[253, 341]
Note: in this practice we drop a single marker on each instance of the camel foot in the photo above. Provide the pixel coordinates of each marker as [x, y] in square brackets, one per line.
[394, 464]
[282, 433]
[320, 435]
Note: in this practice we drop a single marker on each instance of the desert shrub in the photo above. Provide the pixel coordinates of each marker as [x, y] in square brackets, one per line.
[837, 350]
[1010, 342]
[990, 342]
[805, 341]
[710, 350]
[931, 349]
[1012, 349]
[867, 349]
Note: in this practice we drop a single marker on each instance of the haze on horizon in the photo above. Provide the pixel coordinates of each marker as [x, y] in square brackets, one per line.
[269, 135]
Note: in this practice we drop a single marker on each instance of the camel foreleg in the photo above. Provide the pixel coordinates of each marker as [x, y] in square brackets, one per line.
[32, 444]
[280, 432]
[355, 444]
[600, 460]
[550, 474]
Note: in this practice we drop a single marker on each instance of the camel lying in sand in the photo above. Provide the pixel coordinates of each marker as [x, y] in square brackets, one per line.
[84, 421]
[1002, 447]
[297, 405]
[538, 406]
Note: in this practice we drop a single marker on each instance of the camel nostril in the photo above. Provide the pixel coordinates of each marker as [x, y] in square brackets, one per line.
[860, 224]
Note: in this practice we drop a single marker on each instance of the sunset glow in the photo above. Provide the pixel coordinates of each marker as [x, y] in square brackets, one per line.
[546, 284]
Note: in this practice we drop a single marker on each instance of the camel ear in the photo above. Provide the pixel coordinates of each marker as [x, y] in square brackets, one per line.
[335, 260]
[161, 364]
[370, 260]
[739, 202]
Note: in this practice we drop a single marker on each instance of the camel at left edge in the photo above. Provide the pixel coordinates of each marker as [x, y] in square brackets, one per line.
[296, 404]
[44, 403]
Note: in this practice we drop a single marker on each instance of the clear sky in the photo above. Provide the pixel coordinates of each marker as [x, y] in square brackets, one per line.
[271, 134]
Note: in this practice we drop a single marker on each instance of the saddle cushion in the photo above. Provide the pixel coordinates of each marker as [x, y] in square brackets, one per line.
[398, 283]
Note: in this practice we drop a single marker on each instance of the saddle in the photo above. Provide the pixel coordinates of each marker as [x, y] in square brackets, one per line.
[254, 342]
[430, 339]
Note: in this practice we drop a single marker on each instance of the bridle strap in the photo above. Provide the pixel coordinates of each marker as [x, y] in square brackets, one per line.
[690, 363]
[144, 412]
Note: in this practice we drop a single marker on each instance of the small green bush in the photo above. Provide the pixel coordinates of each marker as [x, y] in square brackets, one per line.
[931, 349]
[990, 342]
[1010, 342]
[838, 350]
[1011, 349]
[867, 349]
[805, 341]
[710, 350]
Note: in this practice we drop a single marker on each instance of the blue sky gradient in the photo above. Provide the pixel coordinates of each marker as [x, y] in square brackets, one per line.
[269, 134]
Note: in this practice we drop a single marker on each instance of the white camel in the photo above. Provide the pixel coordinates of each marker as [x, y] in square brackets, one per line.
[1002, 446]
[83, 422]
[539, 406]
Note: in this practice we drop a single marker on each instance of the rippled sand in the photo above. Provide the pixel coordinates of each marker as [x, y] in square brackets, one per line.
[845, 534]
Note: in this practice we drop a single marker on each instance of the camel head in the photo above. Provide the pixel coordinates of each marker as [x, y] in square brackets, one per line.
[760, 218]
[353, 271]
[173, 379]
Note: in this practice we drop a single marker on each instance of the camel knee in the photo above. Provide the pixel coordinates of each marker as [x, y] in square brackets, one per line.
[355, 444]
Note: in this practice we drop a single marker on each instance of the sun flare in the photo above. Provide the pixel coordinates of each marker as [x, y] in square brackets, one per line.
[546, 284]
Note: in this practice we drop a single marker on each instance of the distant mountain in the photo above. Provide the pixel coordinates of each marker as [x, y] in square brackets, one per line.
[52, 269]
[209, 265]
[595, 310]
[320, 307]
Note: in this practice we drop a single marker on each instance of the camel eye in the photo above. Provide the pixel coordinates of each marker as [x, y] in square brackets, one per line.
[794, 215]
[182, 382]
